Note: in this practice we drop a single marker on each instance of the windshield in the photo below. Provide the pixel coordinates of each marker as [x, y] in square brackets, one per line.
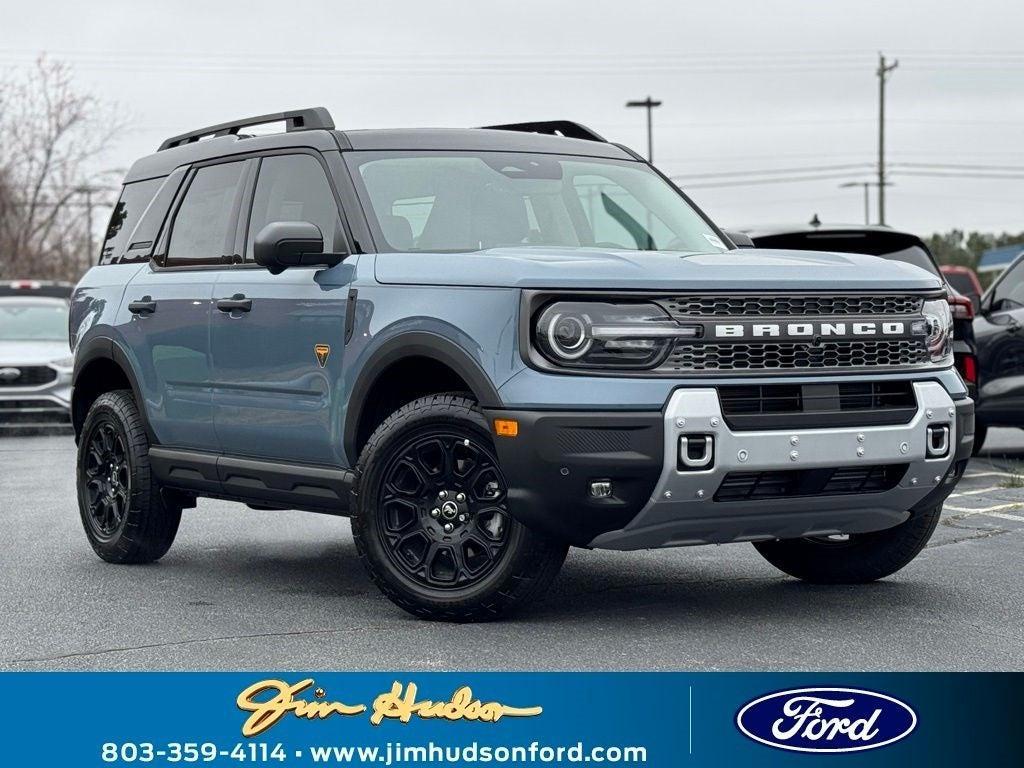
[26, 320]
[470, 201]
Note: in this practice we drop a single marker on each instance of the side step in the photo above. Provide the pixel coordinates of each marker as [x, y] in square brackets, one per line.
[254, 481]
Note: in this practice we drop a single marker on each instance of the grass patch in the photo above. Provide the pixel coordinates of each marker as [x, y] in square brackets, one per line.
[1015, 480]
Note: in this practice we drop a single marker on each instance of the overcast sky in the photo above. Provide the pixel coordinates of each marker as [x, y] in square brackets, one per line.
[747, 86]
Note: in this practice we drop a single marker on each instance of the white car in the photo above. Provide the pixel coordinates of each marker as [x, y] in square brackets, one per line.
[35, 361]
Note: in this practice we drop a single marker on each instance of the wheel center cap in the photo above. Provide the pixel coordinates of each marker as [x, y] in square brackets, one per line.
[449, 510]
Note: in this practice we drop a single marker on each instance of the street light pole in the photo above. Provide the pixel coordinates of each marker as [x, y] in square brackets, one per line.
[866, 185]
[649, 104]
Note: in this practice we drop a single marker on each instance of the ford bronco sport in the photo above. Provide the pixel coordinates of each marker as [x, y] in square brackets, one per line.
[487, 345]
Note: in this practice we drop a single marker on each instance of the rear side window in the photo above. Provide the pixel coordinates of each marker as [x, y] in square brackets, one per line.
[962, 283]
[294, 188]
[135, 198]
[202, 230]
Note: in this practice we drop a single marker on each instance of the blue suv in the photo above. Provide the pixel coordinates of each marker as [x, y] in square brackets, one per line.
[488, 345]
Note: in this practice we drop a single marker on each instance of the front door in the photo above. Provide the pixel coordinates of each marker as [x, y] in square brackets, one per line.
[165, 315]
[278, 341]
[999, 337]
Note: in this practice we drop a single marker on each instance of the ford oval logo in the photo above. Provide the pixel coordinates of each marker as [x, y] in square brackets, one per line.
[826, 720]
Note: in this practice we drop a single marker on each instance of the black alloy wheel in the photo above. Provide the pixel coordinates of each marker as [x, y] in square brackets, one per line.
[126, 516]
[442, 515]
[107, 479]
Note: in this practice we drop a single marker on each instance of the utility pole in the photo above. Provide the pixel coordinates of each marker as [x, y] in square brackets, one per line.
[882, 72]
[649, 104]
[88, 223]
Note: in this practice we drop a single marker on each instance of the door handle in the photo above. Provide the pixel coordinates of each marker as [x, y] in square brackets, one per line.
[143, 306]
[237, 303]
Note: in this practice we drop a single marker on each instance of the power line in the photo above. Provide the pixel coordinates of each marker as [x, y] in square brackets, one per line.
[757, 182]
[962, 166]
[774, 171]
[961, 175]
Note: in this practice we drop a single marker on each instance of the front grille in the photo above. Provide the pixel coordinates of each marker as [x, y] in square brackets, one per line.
[828, 481]
[789, 306]
[29, 376]
[687, 356]
[15, 413]
[777, 406]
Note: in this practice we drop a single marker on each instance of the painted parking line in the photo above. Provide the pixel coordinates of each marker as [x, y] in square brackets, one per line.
[1005, 516]
[993, 473]
[993, 511]
[975, 493]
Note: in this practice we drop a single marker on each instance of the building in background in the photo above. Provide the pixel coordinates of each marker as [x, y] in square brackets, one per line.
[995, 260]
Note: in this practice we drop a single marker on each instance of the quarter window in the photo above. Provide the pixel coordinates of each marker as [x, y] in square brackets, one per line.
[294, 188]
[202, 227]
[134, 199]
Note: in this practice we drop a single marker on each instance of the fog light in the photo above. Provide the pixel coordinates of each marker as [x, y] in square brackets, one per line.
[601, 489]
[938, 441]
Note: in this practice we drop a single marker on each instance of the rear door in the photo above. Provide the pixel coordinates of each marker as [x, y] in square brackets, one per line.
[999, 339]
[166, 309]
[278, 340]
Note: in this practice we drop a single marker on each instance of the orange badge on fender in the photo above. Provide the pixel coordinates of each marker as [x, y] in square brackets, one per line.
[322, 352]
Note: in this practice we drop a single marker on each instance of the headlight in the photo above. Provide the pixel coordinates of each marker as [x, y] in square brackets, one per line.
[938, 326]
[584, 334]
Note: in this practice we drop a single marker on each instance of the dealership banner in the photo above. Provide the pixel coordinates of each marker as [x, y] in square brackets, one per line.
[664, 719]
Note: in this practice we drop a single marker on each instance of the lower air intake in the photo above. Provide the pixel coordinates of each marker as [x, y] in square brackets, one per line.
[828, 481]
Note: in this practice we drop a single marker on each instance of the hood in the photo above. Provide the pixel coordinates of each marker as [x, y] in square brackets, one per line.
[744, 269]
[32, 352]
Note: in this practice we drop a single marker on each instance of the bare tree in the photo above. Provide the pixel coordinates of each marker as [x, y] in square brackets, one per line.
[50, 139]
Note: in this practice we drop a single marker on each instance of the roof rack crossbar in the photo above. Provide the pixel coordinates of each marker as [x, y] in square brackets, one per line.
[566, 128]
[295, 120]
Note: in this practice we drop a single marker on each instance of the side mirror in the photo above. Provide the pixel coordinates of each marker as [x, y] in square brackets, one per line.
[739, 239]
[283, 244]
[985, 304]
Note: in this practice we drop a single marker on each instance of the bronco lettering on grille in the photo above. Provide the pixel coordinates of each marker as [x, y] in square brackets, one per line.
[809, 329]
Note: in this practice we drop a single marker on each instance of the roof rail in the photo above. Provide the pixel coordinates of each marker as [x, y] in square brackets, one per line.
[295, 120]
[566, 128]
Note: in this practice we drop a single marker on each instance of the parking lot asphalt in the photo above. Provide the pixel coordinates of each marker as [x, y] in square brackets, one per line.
[251, 590]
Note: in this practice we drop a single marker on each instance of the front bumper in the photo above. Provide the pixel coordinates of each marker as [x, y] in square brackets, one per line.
[658, 502]
[37, 407]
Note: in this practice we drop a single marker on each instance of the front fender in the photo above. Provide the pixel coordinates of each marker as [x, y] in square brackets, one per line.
[404, 343]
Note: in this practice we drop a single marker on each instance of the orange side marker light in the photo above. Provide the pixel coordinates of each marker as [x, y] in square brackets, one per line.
[506, 427]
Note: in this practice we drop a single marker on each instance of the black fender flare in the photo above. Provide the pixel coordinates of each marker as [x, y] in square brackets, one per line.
[414, 344]
[103, 347]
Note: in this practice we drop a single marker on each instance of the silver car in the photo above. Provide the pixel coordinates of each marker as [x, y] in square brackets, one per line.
[35, 362]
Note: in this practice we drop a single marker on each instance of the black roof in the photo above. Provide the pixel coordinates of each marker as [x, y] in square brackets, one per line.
[313, 128]
[873, 235]
[481, 139]
[770, 230]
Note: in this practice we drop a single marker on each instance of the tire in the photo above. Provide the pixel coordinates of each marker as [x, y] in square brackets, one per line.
[859, 559]
[980, 433]
[125, 517]
[434, 454]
